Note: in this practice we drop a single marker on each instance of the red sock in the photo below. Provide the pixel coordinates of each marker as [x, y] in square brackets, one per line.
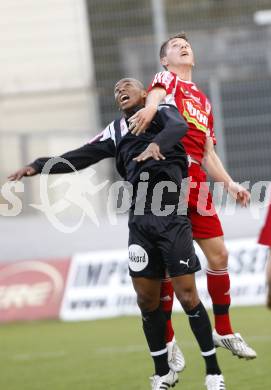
[166, 299]
[218, 282]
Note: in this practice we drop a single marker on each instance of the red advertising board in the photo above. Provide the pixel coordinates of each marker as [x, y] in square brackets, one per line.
[32, 290]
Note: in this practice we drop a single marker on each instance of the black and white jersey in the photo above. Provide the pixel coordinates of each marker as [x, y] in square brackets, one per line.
[166, 129]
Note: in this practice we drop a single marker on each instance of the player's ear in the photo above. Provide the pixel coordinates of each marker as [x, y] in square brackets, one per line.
[144, 94]
[164, 61]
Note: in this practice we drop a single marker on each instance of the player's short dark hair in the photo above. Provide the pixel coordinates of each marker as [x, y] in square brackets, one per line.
[131, 79]
[163, 48]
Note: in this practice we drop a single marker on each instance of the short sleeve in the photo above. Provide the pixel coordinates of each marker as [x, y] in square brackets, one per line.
[164, 80]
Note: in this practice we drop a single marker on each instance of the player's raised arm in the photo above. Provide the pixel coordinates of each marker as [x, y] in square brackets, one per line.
[214, 167]
[174, 128]
[100, 147]
[140, 121]
[162, 85]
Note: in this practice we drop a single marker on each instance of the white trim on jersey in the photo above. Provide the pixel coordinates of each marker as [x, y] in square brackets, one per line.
[108, 132]
[170, 99]
[164, 77]
[112, 131]
[123, 127]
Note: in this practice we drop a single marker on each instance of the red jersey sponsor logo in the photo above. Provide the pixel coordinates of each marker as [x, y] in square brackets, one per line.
[193, 113]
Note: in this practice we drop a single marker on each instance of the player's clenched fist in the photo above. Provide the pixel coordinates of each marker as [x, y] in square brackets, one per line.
[25, 171]
[152, 151]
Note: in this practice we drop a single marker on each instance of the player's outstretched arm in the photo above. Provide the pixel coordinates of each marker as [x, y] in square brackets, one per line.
[215, 169]
[25, 171]
[78, 159]
[141, 120]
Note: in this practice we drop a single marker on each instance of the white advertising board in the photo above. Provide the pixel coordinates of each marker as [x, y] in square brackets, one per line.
[99, 285]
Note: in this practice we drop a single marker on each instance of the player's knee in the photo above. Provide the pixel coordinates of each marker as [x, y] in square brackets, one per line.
[219, 260]
[146, 302]
[188, 299]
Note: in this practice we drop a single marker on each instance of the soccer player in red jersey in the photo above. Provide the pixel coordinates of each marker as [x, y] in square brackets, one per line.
[175, 86]
[265, 239]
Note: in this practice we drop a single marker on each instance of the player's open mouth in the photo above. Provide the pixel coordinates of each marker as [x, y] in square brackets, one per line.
[124, 98]
[183, 54]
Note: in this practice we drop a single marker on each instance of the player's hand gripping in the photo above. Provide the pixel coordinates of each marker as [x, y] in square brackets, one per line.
[152, 151]
[239, 193]
[25, 171]
[140, 121]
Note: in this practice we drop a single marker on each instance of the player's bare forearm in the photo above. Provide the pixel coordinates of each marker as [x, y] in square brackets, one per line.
[140, 121]
[218, 173]
[215, 169]
[155, 97]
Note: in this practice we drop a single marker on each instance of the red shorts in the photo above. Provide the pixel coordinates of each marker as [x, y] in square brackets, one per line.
[265, 235]
[204, 219]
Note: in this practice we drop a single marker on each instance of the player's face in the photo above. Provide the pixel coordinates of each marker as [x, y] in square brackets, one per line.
[179, 53]
[129, 94]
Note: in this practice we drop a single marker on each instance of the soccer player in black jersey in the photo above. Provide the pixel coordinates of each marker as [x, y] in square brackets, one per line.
[159, 237]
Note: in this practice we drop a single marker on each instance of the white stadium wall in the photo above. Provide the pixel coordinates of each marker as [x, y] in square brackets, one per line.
[45, 46]
[46, 66]
[46, 81]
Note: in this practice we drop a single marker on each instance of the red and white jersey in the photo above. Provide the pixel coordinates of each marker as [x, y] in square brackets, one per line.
[194, 106]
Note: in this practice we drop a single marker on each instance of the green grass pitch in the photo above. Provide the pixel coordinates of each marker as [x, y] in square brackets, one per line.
[112, 354]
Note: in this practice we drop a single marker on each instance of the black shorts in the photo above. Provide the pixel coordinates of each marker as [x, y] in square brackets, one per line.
[160, 243]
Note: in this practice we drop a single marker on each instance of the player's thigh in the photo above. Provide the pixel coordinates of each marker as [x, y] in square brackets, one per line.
[204, 219]
[144, 257]
[176, 247]
[265, 234]
[215, 251]
[204, 226]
